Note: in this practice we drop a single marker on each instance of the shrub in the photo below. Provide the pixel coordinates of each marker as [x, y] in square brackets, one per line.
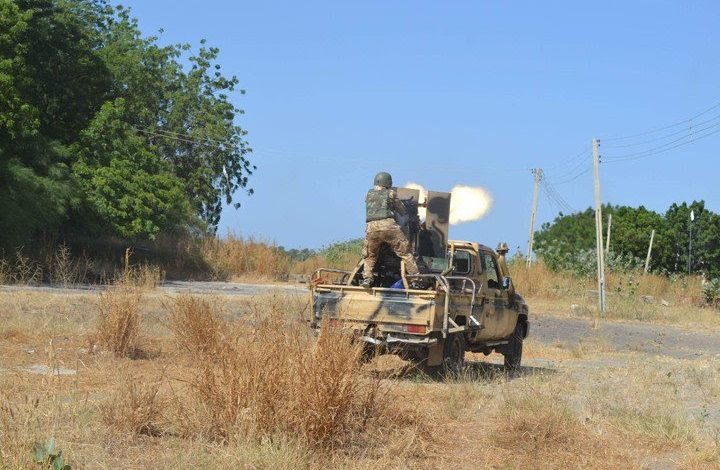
[197, 324]
[279, 381]
[711, 292]
[119, 320]
[136, 407]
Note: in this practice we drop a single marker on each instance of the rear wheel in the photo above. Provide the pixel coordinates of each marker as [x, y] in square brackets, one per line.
[513, 350]
[454, 352]
[453, 357]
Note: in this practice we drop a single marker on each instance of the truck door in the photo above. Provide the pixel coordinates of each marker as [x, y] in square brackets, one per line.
[493, 298]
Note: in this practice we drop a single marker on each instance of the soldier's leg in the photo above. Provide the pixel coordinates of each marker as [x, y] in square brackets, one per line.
[400, 245]
[371, 247]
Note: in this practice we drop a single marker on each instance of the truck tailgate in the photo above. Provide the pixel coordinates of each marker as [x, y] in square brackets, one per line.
[377, 305]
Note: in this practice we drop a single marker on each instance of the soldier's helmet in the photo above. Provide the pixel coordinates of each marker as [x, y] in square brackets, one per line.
[502, 248]
[383, 179]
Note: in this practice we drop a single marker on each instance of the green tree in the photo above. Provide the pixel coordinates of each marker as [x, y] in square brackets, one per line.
[705, 235]
[105, 131]
[124, 182]
[569, 241]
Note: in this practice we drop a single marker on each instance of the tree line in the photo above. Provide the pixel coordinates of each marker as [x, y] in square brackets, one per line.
[106, 132]
[568, 243]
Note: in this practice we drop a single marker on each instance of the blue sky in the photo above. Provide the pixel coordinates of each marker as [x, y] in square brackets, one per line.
[445, 93]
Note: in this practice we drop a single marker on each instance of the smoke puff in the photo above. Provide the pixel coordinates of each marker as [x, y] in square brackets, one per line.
[467, 203]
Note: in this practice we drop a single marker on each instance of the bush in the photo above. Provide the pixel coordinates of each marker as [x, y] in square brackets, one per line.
[118, 325]
[135, 408]
[278, 381]
[197, 324]
[711, 292]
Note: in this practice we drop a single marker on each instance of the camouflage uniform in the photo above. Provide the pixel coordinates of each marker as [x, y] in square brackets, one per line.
[382, 205]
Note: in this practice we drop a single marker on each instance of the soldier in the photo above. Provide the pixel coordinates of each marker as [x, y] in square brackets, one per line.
[382, 205]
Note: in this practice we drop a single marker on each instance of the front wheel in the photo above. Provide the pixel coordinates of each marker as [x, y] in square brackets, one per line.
[513, 351]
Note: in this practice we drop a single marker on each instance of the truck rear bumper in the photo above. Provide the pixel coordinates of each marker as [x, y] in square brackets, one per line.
[393, 340]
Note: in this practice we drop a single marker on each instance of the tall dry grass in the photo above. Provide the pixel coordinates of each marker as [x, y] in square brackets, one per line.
[540, 281]
[346, 261]
[135, 407]
[271, 378]
[118, 325]
[197, 323]
[237, 257]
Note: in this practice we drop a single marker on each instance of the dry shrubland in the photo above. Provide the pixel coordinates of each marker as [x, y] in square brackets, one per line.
[241, 383]
[197, 324]
[135, 407]
[540, 281]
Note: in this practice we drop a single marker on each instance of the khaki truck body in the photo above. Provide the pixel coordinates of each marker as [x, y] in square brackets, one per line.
[468, 303]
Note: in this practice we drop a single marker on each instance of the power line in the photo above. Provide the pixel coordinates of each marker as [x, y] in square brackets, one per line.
[184, 138]
[665, 147]
[689, 130]
[669, 126]
[573, 178]
[565, 161]
[572, 170]
[556, 196]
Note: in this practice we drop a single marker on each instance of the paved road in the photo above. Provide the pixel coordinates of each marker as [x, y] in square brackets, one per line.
[645, 337]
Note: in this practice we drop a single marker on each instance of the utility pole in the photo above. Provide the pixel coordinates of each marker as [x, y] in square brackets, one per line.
[692, 219]
[647, 260]
[607, 241]
[598, 228]
[537, 173]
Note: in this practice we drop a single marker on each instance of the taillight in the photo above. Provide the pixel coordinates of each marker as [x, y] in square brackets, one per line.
[333, 322]
[415, 329]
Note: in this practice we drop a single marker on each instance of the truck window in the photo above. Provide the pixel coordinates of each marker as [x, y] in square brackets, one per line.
[462, 263]
[493, 277]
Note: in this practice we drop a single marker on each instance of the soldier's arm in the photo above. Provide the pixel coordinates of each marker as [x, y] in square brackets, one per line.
[399, 206]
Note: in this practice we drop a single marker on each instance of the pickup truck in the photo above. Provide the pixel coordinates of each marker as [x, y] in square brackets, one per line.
[470, 304]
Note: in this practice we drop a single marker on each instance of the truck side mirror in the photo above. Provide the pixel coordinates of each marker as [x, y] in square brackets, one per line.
[506, 281]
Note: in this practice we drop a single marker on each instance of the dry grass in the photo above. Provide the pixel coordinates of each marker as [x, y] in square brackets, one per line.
[197, 324]
[236, 257]
[629, 296]
[282, 382]
[118, 325]
[142, 276]
[274, 396]
[347, 261]
[135, 407]
[540, 281]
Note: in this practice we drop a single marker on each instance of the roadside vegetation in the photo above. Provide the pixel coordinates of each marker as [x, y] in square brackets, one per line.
[228, 382]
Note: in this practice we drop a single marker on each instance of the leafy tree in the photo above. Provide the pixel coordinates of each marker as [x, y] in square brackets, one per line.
[568, 243]
[705, 235]
[104, 131]
[123, 181]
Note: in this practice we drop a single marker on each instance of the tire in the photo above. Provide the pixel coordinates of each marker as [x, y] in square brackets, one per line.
[513, 350]
[452, 361]
[453, 353]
